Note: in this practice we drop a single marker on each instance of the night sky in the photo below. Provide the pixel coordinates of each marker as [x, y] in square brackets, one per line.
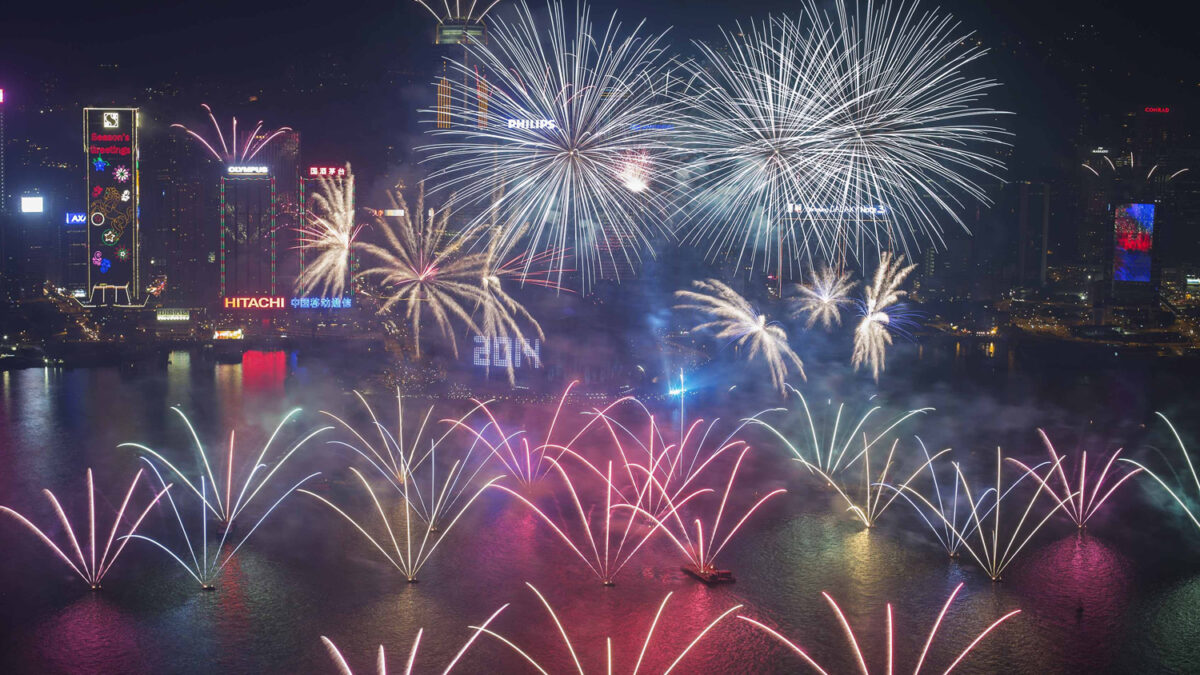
[230, 48]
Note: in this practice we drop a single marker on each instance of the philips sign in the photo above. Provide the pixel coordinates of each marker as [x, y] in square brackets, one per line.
[531, 124]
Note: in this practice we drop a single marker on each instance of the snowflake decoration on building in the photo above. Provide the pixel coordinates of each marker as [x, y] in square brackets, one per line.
[122, 253]
[121, 173]
[100, 164]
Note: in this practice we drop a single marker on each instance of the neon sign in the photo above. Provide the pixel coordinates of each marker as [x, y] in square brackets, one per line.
[531, 124]
[228, 334]
[242, 170]
[504, 352]
[76, 219]
[327, 171]
[1157, 109]
[111, 215]
[322, 303]
[251, 302]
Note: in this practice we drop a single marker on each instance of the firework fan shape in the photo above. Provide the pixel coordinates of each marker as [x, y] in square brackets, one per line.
[822, 300]
[231, 152]
[121, 174]
[873, 335]
[562, 119]
[735, 318]
[329, 234]
[419, 268]
[830, 135]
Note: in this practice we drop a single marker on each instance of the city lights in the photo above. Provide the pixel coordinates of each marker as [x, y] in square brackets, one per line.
[539, 336]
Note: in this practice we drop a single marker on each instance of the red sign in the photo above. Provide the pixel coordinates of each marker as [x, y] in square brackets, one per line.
[254, 303]
[326, 171]
[1157, 109]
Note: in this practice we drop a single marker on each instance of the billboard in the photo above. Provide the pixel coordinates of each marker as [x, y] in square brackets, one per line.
[110, 143]
[1134, 243]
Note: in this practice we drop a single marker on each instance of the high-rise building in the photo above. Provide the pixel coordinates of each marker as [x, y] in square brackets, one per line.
[30, 247]
[110, 145]
[310, 183]
[182, 204]
[3, 162]
[248, 228]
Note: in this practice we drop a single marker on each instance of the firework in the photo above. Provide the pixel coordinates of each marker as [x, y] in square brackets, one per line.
[562, 631]
[381, 660]
[828, 450]
[828, 135]
[529, 462]
[857, 650]
[734, 318]
[207, 562]
[423, 271]
[90, 569]
[702, 550]
[871, 505]
[552, 116]
[995, 548]
[945, 512]
[1179, 493]
[330, 235]
[501, 315]
[1133, 173]
[822, 300]
[425, 537]
[457, 14]
[603, 543]
[238, 149]
[227, 507]
[1080, 505]
[874, 332]
[399, 456]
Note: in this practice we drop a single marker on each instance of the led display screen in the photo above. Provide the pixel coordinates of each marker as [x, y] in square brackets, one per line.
[1134, 244]
[110, 141]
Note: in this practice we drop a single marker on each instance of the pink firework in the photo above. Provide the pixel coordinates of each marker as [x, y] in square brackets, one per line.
[698, 539]
[1080, 501]
[89, 568]
[604, 543]
[237, 149]
[856, 650]
[609, 660]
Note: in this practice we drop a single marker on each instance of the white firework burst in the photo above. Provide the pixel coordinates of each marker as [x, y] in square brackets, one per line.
[501, 315]
[424, 270]
[822, 300]
[873, 335]
[827, 136]
[566, 121]
[330, 235]
[734, 318]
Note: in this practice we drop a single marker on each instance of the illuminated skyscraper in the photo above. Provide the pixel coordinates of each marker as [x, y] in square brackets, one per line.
[458, 27]
[110, 146]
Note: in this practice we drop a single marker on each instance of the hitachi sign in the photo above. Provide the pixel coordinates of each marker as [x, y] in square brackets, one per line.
[254, 303]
